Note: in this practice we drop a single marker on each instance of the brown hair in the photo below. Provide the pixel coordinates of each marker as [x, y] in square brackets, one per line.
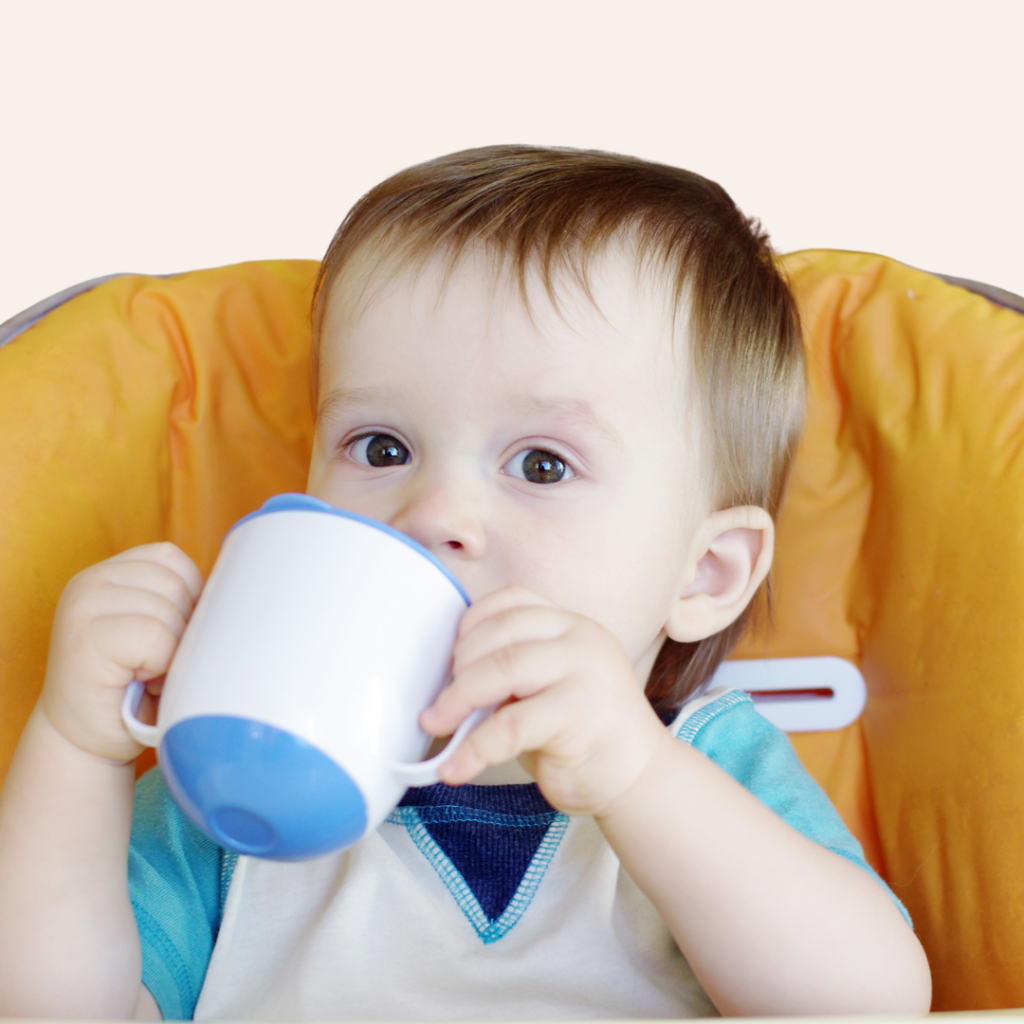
[556, 210]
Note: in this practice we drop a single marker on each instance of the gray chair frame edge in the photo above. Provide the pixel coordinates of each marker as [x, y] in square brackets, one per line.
[997, 296]
[21, 322]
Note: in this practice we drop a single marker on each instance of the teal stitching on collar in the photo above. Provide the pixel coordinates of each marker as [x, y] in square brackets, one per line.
[693, 725]
[448, 812]
[489, 931]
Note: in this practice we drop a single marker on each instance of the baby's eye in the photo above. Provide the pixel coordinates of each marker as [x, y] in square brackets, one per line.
[379, 451]
[538, 466]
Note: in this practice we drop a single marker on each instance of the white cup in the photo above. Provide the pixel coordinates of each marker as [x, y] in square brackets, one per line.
[287, 725]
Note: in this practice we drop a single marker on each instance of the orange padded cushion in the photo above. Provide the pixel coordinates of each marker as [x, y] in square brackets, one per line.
[143, 410]
[901, 547]
[165, 409]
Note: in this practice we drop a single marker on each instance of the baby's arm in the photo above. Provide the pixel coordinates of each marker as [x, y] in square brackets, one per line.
[771, 922]
[69, 946]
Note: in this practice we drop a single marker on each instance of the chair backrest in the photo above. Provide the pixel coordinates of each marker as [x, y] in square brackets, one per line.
[149, 409]
[144, 409]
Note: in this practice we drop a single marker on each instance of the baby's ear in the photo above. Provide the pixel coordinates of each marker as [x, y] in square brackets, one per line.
[729, 558]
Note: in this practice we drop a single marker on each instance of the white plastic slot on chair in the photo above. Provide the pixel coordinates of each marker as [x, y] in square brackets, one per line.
[799, 694]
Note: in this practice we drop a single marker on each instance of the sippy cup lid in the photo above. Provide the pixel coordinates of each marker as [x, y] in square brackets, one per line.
[293, 502]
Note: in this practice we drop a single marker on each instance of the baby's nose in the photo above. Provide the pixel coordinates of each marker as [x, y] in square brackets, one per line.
[445, 519]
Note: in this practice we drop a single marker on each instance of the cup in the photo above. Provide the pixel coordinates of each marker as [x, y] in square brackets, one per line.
[287, 726]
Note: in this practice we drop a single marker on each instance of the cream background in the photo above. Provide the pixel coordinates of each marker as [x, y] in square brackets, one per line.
[158, 137]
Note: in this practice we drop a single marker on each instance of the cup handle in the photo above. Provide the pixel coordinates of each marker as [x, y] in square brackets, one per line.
[147, 735]
[424, 773]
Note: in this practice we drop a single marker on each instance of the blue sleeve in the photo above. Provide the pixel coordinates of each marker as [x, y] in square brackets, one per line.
[177, 879]
[760, 757]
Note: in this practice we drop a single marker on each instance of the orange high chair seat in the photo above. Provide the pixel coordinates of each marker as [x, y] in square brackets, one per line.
[145, 409]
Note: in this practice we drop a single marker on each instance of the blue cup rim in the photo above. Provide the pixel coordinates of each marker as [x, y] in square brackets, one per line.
[294, 502]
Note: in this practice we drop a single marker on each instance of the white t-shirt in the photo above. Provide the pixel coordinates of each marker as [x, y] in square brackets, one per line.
[474, 902]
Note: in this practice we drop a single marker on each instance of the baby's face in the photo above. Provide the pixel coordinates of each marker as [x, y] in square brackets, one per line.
[556, 451]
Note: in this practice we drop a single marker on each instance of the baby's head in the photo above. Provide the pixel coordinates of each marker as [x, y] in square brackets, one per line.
[575, 371]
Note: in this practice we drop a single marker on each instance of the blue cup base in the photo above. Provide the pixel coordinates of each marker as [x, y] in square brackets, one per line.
[260, 791]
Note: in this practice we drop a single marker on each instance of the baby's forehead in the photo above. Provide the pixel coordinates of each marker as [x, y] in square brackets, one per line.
[470, 340]
[572, 286]
[613, 324]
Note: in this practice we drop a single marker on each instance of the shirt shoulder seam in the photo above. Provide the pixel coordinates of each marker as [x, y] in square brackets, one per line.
[696, 715]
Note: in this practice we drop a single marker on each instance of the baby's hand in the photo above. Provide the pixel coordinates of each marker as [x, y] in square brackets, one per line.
[116, 621]
[571, 707]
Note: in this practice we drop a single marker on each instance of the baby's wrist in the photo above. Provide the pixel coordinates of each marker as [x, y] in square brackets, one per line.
[60, 733]
[641, 780]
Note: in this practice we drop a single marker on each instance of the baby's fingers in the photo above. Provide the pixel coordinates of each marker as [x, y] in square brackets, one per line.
[140, 646]
[88, 671]
[499, 601]
[507, 673]
[168, 555]
[76, 620]
[512, 730]
[162, 568]
[510, 627]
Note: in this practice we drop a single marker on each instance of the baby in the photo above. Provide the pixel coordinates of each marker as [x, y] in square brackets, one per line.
[576, 378]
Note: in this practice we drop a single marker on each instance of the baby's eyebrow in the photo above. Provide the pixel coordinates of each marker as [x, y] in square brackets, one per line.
[337, 402]
[576, 411]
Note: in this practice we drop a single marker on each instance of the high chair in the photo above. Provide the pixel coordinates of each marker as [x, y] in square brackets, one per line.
[137, 409]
